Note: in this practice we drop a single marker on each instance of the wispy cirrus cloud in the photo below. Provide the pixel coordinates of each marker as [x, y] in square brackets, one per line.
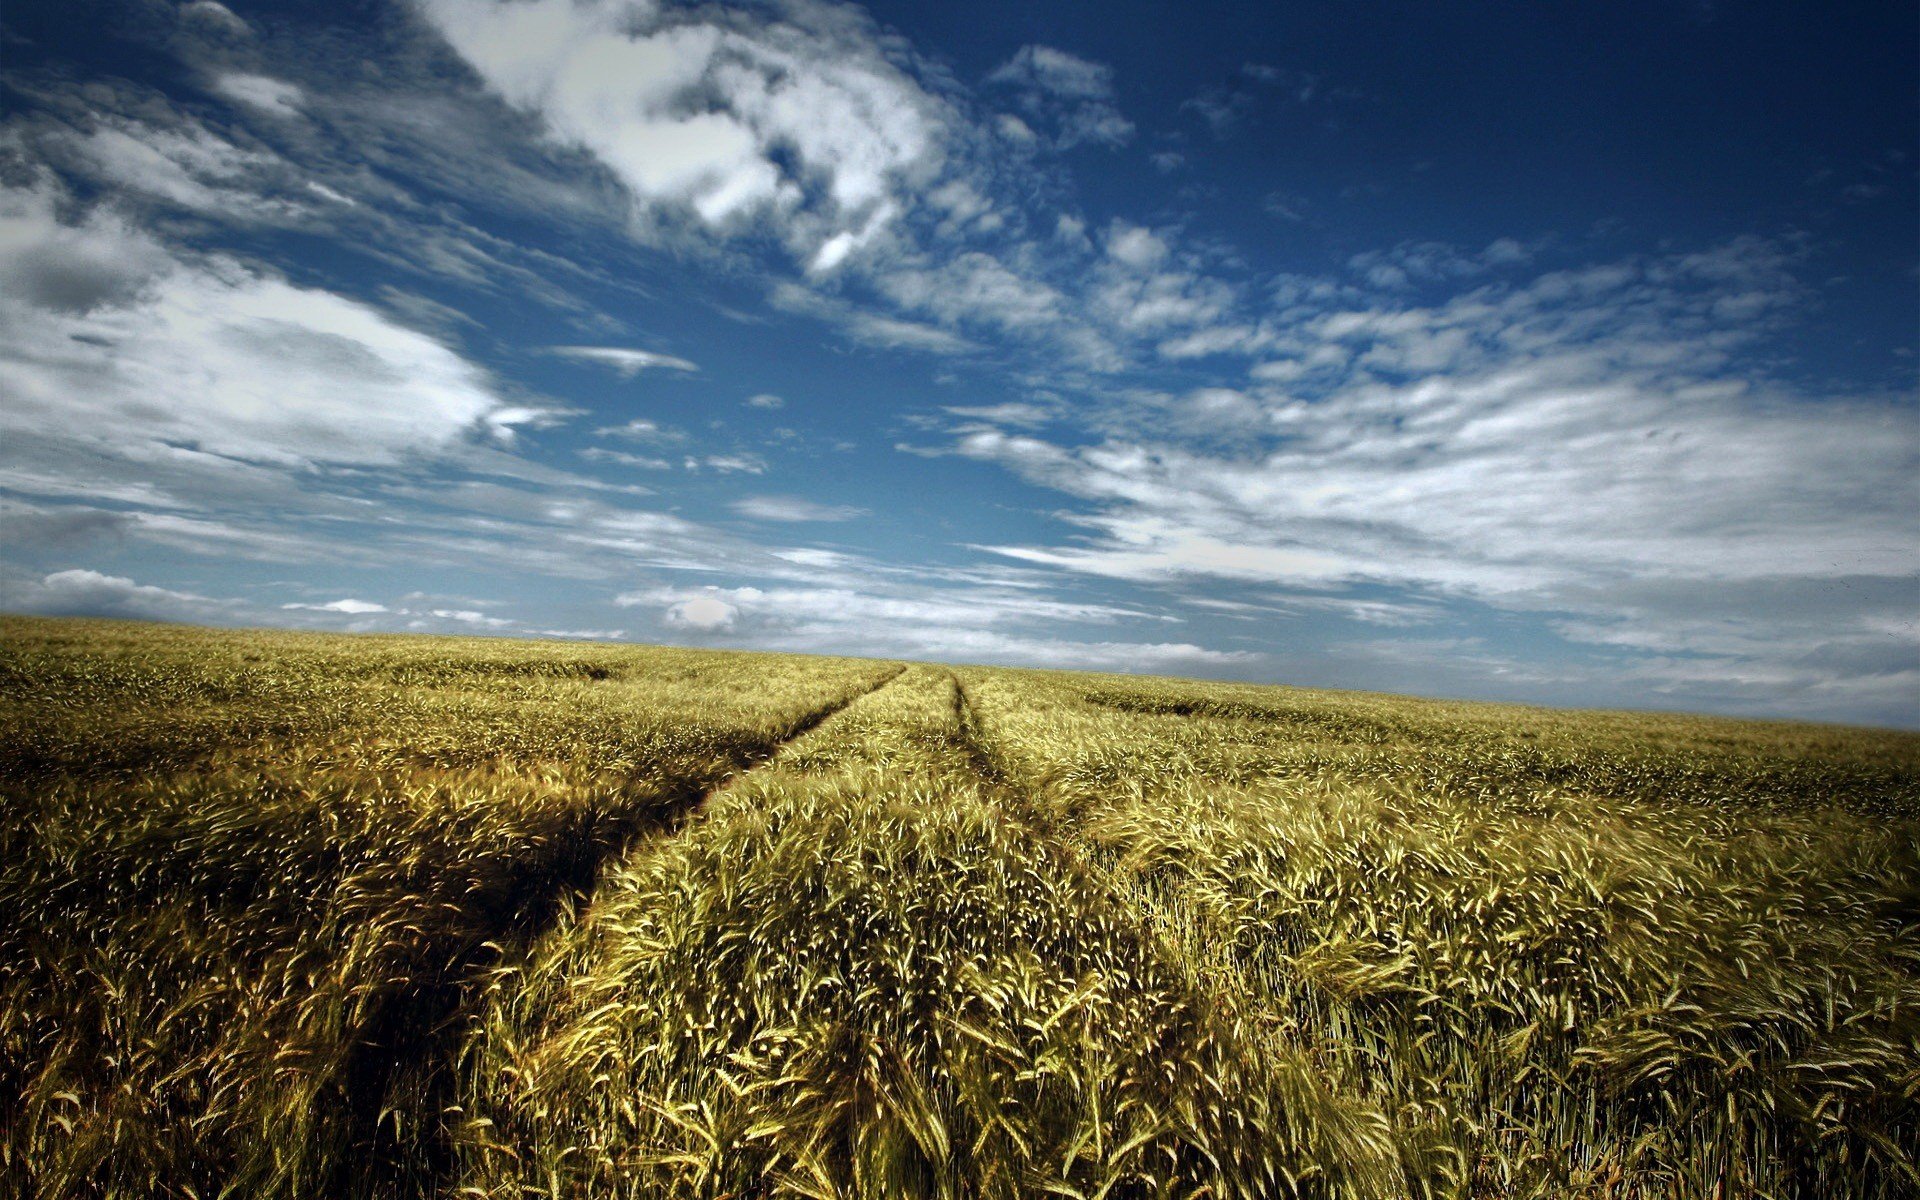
[627, 361]
[979, 624]
[1538, 447]
[794, 509]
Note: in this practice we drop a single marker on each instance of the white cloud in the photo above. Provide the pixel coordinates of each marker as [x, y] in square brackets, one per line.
[942, 607]
[627, 362]
[179, 162]
[977, 624]
[705, 117]
[472, 616]
[1017, 413]
[110, 340]
[699, 612]
[93, 594]
[1135, 246]
[1537, 447]
[1179, 554]
[640, 429]
[765, 400]
[793, 508]
[726, 464]
[276, 97]
[621, 458]
[349, 606]
[214, 16]
[1072, 95]
[1418, 263]
[870, 328]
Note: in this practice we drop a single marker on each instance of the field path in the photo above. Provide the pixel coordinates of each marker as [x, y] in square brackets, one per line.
[413, 1034]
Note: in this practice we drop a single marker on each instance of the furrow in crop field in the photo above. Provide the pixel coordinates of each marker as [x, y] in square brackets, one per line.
[234, 971]
[295, 915]
[408, 1036]
[1569, 988]
[860, 975]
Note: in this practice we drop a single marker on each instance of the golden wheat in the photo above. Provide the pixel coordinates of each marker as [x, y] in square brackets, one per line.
[298, 915]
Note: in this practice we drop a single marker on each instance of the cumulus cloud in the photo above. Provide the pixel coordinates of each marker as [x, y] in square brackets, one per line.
[110, 339]
[700, 611]
[85, 593]
[710, 118]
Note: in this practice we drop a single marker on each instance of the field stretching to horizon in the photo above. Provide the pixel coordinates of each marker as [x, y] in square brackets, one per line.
[290, 915]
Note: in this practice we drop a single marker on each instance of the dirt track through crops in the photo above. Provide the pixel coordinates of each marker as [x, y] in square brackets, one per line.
[418, 1029]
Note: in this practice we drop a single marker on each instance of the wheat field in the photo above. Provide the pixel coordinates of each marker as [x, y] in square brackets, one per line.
[314, 915]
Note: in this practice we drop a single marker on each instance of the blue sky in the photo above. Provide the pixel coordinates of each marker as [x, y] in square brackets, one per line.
[1557, 353]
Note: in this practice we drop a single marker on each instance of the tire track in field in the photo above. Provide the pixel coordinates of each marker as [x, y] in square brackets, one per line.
[413, 1035]
[1017, 802]
[974, 743]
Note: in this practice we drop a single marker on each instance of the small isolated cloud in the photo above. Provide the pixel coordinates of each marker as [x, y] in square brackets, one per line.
[1069, 93]
[261, 92]
[793, 508]
[1223, 107]
[627, 362]
[702, 610]
[1286, 205]
[472, 616]
[621, 458]
[765, 400]
[349, 606]
[1136, 246]
[1220, 108]
[726, 464]
[1012, 412]
[640, 430]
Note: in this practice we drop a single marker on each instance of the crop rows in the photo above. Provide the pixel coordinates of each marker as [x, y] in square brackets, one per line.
[1649, 970]
[860, 974]
[292, 915]
[245, 879]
